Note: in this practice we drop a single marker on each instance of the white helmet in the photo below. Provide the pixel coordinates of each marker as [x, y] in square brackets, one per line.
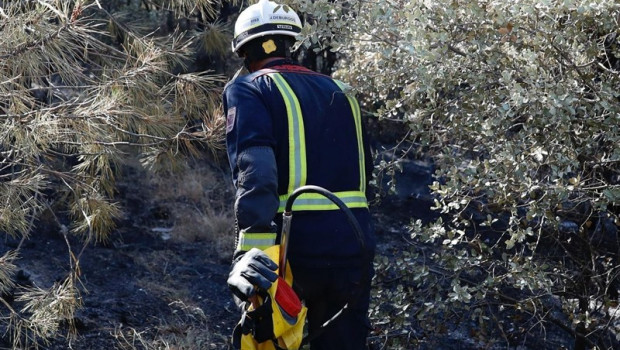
[265, 18]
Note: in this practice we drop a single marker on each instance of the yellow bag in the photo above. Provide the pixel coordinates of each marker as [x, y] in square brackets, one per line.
[277, 316]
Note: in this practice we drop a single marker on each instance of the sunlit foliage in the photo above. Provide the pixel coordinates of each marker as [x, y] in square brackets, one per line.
[517, 105]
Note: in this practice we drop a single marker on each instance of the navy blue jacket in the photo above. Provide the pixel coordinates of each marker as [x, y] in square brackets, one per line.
[257, 140]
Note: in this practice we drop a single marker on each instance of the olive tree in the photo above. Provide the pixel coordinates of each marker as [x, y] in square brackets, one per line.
[517, 103]
[83, 84]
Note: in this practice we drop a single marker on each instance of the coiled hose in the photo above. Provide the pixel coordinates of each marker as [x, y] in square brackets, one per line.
[359, 235]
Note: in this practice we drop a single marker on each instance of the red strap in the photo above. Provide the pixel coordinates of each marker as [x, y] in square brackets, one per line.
[287, 68]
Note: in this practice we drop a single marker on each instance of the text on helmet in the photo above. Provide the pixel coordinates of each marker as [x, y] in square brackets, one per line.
[281, 18]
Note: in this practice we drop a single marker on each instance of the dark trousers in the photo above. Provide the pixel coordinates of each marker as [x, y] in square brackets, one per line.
[325, 291]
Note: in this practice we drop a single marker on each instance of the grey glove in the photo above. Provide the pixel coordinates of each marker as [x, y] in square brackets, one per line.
[254, 270]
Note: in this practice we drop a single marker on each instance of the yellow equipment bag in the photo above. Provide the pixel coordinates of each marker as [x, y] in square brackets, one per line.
[276, 317]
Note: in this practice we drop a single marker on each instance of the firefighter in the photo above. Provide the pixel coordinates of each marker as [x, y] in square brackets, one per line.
[288, 126]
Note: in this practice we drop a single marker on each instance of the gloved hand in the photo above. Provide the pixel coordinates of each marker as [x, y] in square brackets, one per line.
[253, 270]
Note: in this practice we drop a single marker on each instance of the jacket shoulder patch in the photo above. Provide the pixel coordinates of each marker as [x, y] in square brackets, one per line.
[230, 119]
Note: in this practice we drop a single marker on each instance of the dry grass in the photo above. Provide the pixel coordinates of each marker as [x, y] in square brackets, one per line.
[196, 199]
[187, 331]
[199, 200]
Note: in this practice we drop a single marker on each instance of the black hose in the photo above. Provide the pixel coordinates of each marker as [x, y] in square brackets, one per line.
[359, 235]
[332, 197]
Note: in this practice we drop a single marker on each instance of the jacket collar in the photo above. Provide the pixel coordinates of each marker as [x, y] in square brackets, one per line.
[280, 62]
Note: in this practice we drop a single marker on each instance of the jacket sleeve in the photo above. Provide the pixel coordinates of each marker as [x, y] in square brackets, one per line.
[249, 143]
[256, 199]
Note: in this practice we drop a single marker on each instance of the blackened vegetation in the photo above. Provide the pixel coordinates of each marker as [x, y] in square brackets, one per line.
[319, 60]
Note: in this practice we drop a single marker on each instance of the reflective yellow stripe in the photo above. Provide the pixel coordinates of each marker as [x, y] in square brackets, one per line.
[316, 201]
[296, 134]
[297, 155]
[249, 240]
[355, 108]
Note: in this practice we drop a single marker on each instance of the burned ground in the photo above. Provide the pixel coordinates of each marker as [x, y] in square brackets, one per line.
[149, 286]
